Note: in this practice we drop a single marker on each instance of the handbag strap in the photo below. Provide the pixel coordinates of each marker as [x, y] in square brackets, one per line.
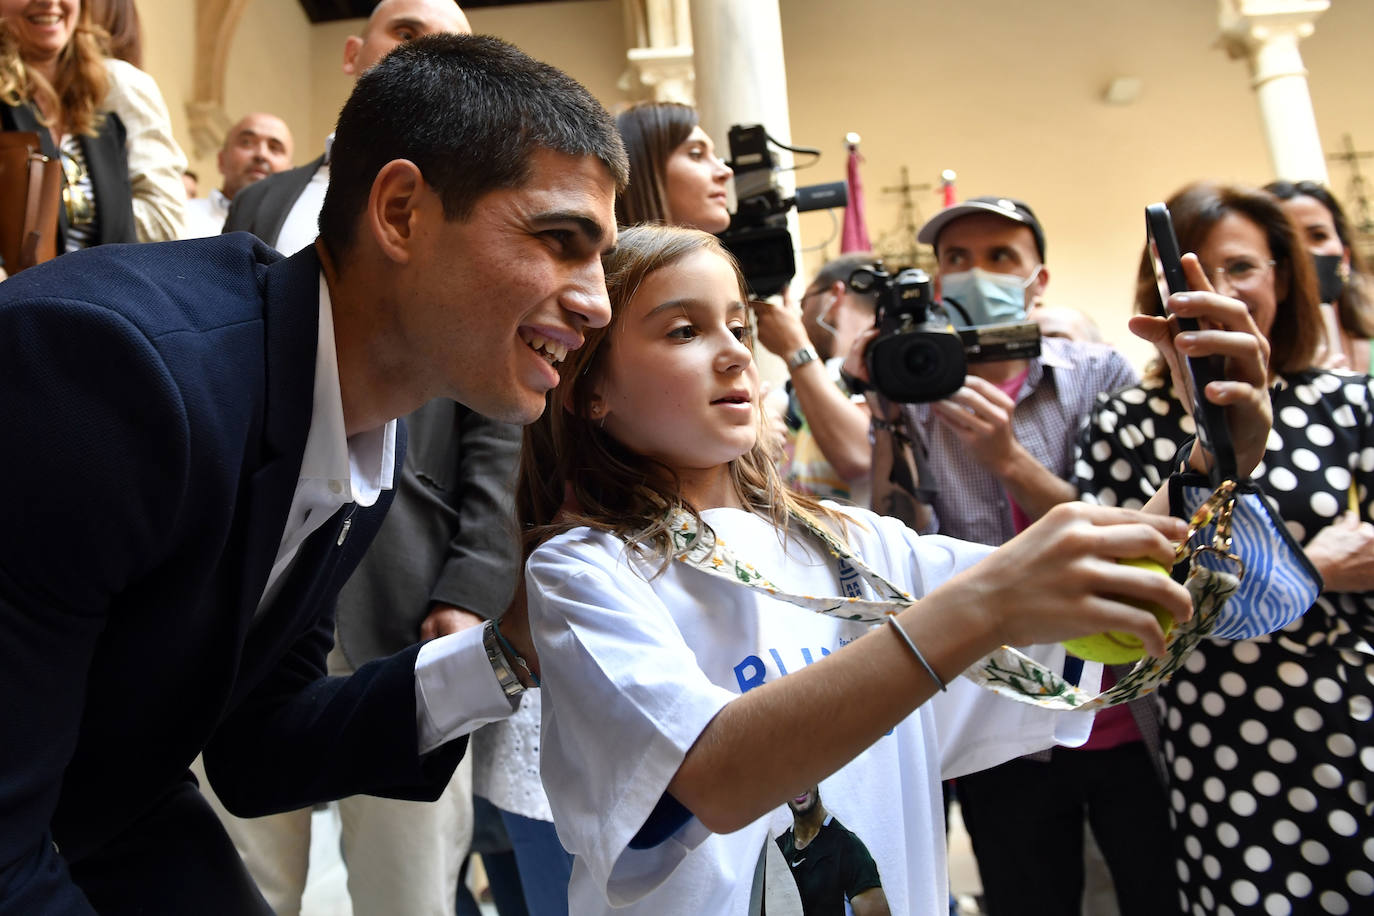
[39, 239]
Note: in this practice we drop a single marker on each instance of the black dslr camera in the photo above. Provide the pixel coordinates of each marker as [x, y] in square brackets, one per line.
[758, 236]
[918, 355]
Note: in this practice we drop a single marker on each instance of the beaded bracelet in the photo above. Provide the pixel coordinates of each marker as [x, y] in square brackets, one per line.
[892, 619]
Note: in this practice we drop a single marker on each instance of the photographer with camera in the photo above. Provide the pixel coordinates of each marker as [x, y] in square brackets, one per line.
[997, 455]
[827, 423]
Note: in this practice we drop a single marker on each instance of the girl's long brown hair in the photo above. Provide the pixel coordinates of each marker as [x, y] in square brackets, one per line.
[572, 473]
[650, 131]
[82, 80]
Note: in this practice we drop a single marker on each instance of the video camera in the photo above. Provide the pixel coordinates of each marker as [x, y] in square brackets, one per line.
[918, 355]
[757, 235]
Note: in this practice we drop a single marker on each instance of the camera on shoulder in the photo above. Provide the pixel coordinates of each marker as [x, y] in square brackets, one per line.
[919, 355]
[758, 236]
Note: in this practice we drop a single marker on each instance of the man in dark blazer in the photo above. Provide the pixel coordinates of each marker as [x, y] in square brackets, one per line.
[445, 559]
[199, 458]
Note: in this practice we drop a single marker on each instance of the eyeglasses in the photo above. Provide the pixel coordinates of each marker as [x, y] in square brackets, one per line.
[1241, 274]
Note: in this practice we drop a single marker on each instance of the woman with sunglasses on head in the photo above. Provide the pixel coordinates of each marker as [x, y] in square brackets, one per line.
[1342, 281]
[1269, 741]
[53, 80]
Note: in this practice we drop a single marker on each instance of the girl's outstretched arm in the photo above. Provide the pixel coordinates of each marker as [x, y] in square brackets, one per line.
[1055, 581]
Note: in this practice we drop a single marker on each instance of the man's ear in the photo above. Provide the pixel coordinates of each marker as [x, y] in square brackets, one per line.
[393, 208]
[352, 45]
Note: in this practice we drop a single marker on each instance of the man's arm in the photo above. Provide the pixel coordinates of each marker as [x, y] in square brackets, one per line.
[839, 424]
[97, 498]
[479, 573]
[872, 902]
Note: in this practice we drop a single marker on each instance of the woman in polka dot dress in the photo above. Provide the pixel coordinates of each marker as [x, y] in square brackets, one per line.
[1269, 742]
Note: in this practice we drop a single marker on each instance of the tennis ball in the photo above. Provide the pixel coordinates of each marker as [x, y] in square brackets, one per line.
[1116, 648]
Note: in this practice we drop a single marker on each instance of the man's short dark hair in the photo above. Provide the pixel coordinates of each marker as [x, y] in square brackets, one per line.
[469, 111]
[841, 269]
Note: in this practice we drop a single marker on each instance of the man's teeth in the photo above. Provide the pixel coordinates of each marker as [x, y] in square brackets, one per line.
[551, 350]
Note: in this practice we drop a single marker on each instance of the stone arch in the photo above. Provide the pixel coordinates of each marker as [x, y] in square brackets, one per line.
[216, 22]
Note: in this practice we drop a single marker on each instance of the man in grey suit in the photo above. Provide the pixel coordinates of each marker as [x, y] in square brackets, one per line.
[444, 560]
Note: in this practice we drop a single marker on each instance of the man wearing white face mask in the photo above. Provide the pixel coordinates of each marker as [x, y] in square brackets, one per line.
[999, 455]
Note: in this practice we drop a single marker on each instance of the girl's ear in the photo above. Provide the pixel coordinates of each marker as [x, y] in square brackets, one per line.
[596, 410]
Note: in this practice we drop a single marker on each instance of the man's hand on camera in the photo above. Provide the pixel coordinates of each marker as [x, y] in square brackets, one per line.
[980, 415]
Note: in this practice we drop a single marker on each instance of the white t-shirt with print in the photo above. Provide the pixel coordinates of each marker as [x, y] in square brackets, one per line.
[634, 666]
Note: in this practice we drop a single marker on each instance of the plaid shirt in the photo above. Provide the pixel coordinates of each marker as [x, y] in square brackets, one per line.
[1056, 400]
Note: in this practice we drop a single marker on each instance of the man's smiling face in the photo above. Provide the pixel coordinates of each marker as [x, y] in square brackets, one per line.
[496, 301]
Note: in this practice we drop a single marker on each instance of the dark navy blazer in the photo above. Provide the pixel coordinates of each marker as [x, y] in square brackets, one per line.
[154, 403]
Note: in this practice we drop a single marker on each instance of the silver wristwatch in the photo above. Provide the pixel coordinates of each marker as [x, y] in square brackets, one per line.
[505, 674]
[803, 356]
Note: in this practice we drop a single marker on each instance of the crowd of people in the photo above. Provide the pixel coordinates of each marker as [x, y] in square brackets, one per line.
[436, 478]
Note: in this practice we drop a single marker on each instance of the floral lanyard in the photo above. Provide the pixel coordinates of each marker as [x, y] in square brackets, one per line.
[1005, 671]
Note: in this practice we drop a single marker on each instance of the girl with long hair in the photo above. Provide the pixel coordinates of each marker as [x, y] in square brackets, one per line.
[675, 179]
[688, 693]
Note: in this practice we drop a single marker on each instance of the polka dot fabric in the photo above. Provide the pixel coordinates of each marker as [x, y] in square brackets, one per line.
[1269, 742]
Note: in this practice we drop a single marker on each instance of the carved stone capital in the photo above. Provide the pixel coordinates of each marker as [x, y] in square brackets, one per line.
[1249, 25]
[661, 74]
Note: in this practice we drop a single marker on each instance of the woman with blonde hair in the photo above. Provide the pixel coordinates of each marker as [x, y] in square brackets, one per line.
[54, 80]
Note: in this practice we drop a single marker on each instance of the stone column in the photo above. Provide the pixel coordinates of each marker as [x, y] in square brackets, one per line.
[1266, 34]
[741, 79]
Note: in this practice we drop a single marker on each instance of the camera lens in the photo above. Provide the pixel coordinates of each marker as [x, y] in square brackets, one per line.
[922, 358]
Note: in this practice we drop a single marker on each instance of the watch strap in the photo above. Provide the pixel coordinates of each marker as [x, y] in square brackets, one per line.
[803, 356]
[505, 673]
